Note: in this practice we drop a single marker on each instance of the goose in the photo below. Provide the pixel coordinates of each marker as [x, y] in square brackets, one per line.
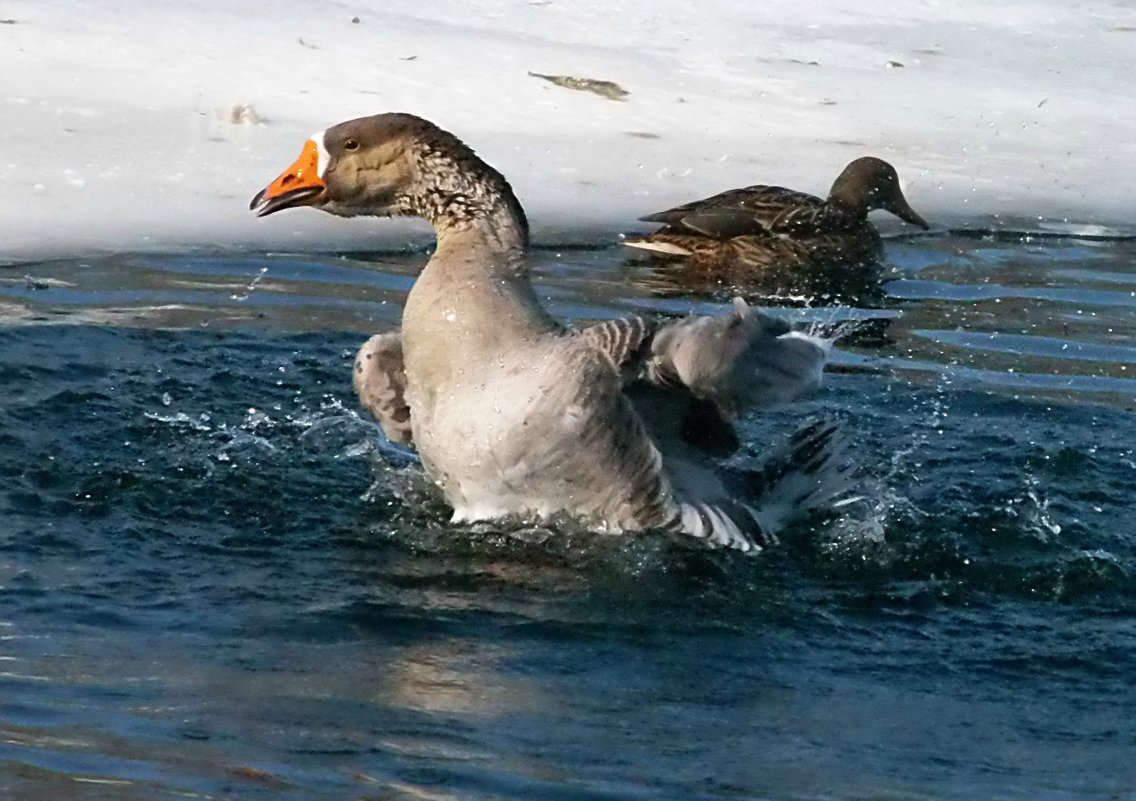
[767, 227]
[624, 425]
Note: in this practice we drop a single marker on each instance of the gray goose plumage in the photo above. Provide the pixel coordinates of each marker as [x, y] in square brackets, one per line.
[617, 424]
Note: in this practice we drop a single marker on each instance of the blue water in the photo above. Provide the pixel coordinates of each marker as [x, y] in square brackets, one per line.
[216, 581]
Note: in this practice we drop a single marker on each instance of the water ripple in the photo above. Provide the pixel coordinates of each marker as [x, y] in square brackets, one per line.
[218, 580]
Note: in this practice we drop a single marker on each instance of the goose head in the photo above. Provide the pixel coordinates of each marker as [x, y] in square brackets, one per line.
[869, 183]
[391, 165]
[364, 166]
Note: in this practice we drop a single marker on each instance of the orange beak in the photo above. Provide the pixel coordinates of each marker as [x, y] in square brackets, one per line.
[299, 185]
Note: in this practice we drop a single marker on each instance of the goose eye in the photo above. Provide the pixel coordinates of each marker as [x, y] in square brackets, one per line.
[351, 144]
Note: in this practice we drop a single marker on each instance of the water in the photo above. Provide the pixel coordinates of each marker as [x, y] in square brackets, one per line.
[217, 582]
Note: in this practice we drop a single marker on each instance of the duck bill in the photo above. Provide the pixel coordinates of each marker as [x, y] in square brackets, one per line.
[904, 212]
[299, 185]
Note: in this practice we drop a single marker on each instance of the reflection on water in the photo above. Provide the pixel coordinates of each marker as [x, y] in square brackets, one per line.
[217, 581]
[456, 677]
[853, 284]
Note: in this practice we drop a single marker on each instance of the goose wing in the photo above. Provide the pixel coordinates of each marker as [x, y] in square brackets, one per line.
[745, 359]
[637, 443]
[695, 374]
[380, 383]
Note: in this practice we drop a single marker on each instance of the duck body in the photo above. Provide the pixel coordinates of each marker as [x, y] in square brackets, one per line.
[515, 416]
[762, 227]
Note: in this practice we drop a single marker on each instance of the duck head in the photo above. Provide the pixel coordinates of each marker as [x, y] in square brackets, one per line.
[870, 183]
[396, 165]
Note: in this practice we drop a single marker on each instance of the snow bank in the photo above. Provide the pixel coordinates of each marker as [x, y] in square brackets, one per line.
[129, 125]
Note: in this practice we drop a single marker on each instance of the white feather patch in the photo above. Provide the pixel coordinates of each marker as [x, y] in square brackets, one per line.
[321, 149]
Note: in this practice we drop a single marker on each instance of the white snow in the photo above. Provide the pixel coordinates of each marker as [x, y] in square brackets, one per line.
[128, 125]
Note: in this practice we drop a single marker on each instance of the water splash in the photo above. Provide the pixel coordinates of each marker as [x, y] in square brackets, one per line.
[241, 297]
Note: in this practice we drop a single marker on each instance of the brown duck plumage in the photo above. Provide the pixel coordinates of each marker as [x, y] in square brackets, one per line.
[770, 226]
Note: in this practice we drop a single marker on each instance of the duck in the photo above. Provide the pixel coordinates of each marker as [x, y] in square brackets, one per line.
[625, 425]
[762, 228]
